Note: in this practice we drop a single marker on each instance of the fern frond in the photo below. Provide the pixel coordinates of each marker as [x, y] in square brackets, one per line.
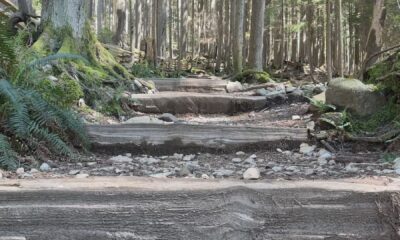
[59, 56]
[8, 158]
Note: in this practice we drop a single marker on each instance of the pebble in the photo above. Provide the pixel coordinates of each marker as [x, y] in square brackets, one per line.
[322, 161]
[184, 172]
[161, 175]
[82, 176]
[237, 160]
[205, 176]
[189, 157]
[1, 174]
[34, 170]
[20, 171]
[45, 167]
[223, 173]
[149, 161]
[309, 172]
[178, 156]
[351, 168]
[324, 154]
[277, 169]
[74, 172]
[240, 153]
[121, 159]
[292, 168]
[252, 174]
[307, 149]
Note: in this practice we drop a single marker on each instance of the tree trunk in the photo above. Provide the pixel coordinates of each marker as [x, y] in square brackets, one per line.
[256, 35]
[328, 41]
[238, 37]
[120, 22]
[220, 37]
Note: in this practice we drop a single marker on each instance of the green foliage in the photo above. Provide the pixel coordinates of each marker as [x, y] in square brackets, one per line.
[7, 46]
[253, 76]
[8, 158]
[388, 114]
[36, 123]
[338, 120]
[105, 35]
[321, 106]
[144, 70]
[389, 157]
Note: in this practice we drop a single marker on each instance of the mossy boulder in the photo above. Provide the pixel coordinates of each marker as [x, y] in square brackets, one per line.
[355, 96]
[253, 76]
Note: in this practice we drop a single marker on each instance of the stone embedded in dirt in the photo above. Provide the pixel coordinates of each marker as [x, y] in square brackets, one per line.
[168, 117]
[149, 160]
[396, 163]
[240, 153]
[237, 160]
[45, 167]
[352, 168]
[296, 117]
[205, 176]
[277, 169]
[293, 169]
[223, 173]
[290, 89]
[322, 161]
[178, 156]
[33, 171]
[121, 159]
[309, 172]
[91, 164]
[234, 87]
[307, 149]
[74, 172]
[332, 162]
[82, 176]
[388, 171]
[311, 125]
[128, 154]
[184, 171]
[355, 96]
[324, 154]
[252, 174]
[261, 92]
[20, 171]
[189, 157]
[144, 120]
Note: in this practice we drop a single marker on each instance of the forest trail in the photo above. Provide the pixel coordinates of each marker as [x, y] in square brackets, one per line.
[136, 208]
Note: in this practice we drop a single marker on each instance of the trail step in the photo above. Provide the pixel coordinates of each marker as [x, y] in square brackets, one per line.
[199, 103]
[173, 138]
[131, 208]
[209, 84]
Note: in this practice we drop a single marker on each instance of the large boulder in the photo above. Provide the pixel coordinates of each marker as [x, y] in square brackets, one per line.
[355, 96]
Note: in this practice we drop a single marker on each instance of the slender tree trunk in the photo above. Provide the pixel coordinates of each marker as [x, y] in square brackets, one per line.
[120, 22]
[220, 37]
[328, 41]
[238, 37]
[256, 35]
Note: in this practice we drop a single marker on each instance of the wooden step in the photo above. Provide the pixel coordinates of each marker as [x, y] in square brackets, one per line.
[203, 103]
[131, 208]
[172, 138]
[204, 84]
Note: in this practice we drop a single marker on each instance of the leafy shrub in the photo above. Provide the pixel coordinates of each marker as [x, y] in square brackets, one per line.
[253, 76]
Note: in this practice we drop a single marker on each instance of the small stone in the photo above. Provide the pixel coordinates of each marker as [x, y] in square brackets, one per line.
[74, 172]
[332, 162]
[322, 161]
[52, 78]
[205, 176]
[234, 87]
[149, 161]
[292, 168]
[189, 157]
[351, 168]
[388, 171]
[121, 159]
[161, 175]
[178, 156]
[307, 149]
[397, 171]
[240, 153]
[311, 125]
[82, 176]
[1, 174]
[237, 160]
[277, 169]
[118, 171]
[252, 174]
[34, 170]
[223, 173]
[296, 117]
[309, 172]
[279, 150]
[91, 164]
[250, 161]
[324, 154]
[184, 172]
[20, 171]
[396, 163]
[128, 155]
[45, 167]
[168, 117]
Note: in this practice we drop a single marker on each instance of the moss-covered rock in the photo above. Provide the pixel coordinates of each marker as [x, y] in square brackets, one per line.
[253, 76]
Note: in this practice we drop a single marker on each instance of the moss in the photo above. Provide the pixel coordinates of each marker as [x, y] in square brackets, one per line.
[41, 46]
[64, 93]
[253, 76]
[376, 72]
[68, 45]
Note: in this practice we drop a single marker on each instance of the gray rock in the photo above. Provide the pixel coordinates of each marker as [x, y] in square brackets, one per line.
[234, 87]
[396, 163]
[168, 117]
[309, 172]
[189, 157]
[45, 167]
[307, 149]
[324, 154]
[351, 168]
[292, 168]
[184, 172]
[388, 171]
[144, 120]
[262, 92]
[240, 153]
[20, 171]
[205, 176]
[223, 173]
[161, 175]
[322, 161]
[178, 156]
[252, 174]
[34, 170]
[355, 96]
[1, 174]
[237, 160]
[82, 176]
[74, 172]
[121, 159]
[277, 169]
[149, 161]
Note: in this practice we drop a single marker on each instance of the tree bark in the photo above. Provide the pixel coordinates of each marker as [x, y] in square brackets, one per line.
[328, 40]
[256, 35]
[120, 22]
[238, 37]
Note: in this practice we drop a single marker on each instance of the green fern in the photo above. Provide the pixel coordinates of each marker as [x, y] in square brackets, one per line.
[8, 158]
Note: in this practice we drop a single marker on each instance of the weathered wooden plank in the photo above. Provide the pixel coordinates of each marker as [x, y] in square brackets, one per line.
[268, 211]
[169, 138]
[203, 103]
[190, 84]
